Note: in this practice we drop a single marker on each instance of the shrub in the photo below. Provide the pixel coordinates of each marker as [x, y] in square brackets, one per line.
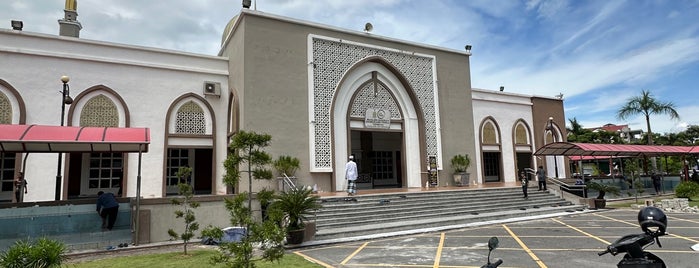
[687, 189]
[42, 253]
[188, 204]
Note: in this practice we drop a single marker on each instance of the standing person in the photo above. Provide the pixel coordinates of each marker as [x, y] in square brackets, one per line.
[525, 183]
[656, 182]
[107, 208]
[541, 177]
[20, 185]
[351, 176]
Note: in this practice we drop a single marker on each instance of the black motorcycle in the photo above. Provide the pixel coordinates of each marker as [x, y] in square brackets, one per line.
[492, 244]
[653, 223]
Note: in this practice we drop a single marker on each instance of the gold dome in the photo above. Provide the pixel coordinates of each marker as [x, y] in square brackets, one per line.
[227, 30]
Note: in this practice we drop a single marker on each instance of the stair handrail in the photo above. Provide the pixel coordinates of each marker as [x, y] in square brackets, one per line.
[576, 189]
[288, 182]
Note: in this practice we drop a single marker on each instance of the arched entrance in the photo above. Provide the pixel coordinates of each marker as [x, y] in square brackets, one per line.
[374, 118]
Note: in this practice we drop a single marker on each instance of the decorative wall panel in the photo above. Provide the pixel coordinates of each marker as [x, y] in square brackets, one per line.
[190, 119]
[99, 111]
[333, 58]
[5, 110]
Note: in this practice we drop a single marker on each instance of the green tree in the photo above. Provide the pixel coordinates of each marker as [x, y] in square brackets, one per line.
[188, 204]
[646, 105]
[633, 169]
[576, 130]
[247, 155]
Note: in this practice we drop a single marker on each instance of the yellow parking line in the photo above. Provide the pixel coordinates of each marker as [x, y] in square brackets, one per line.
[681, 219]
[616, 220]
[439, 251]
[685, 238]
[526, 249]
[354, 253]
[674, 235]
[313, 260]
[583, 232]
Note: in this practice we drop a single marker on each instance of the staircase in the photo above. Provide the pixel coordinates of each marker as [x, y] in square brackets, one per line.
[364, 216]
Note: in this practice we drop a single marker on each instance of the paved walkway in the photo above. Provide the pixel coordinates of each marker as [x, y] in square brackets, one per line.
[561, 241]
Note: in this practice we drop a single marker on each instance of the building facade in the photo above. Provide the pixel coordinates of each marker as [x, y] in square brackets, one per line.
[322, 93]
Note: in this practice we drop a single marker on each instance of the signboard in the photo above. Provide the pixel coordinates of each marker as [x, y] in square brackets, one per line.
[377, 118]
[432, 171]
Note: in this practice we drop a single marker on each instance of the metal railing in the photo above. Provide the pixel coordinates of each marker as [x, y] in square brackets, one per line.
[287, 182]
[575, 189]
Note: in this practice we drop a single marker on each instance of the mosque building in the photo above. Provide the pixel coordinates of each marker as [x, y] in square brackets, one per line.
[323, 93]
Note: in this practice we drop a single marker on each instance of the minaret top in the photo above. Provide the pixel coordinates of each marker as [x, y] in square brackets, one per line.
[69, 25]
[72, 5]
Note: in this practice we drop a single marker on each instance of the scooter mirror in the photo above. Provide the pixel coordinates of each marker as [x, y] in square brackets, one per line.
[493, 243]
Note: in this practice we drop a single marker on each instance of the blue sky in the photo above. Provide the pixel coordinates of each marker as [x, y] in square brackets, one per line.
[598, 53]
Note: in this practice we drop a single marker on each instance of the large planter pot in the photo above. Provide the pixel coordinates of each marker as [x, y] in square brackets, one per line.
[600, 203]
[295, 237]
[461, 179]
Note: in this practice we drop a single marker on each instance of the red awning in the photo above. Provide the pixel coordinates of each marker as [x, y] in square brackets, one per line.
[591, 157]
[56, 139]
[593, 149]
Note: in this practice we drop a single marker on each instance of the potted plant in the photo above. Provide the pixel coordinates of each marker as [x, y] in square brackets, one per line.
[602, 189]
[297, 204]
[265, 196]
[286, 165]
[460, 164]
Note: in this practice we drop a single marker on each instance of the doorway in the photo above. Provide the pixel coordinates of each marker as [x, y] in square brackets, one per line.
[379, 158]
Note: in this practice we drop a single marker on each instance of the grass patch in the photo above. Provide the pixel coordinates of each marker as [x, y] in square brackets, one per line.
[694, 201]
[195, 258]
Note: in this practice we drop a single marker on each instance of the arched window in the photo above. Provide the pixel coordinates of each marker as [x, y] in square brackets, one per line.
[491, 154]
[100, 111]
[190, 119]
[521, 136]
[104, 170]
[7, 160]
[5, 110]
[490, 135]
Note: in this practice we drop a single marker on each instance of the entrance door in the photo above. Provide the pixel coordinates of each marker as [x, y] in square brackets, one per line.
[491, 166]
[524, 160]
[379, 159]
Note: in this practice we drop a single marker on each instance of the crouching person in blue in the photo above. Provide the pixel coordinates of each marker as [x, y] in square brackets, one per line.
[107, 208]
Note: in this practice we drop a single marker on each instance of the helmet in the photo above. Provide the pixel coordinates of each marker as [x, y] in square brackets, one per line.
[652, 220]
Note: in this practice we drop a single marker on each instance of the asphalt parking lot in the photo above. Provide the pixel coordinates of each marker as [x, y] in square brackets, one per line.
[567, 241]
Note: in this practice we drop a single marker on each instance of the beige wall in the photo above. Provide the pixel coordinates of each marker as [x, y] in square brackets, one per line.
[274, 93]
[542, 109]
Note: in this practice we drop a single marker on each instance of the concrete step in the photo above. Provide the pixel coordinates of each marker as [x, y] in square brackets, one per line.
[343, 217]
[353, 232]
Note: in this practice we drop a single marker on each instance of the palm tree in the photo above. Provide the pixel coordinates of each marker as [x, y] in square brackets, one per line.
[647, 105]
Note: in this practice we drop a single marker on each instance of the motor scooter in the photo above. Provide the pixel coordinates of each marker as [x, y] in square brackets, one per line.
[633, 245]
[492, 244]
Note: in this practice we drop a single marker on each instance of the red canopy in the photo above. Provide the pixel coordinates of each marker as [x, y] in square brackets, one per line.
[56, 139]
[593, 149]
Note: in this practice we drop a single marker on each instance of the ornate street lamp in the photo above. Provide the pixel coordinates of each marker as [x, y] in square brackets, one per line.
[65, 100]
[549, 127]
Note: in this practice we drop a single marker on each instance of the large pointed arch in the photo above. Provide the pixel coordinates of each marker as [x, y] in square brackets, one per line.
[490, 140]
[196, 150]
[413, 141]
[523, 145]
[10, 162]
[80, 167]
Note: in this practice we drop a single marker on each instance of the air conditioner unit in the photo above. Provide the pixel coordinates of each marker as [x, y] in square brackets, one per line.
[212, 89]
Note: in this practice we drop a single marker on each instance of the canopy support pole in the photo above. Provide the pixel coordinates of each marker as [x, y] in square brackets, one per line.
[138, 197]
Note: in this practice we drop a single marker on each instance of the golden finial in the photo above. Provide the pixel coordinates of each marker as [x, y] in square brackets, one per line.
[72, 5]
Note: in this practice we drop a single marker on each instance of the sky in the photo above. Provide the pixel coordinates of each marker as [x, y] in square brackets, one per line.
[597, 53]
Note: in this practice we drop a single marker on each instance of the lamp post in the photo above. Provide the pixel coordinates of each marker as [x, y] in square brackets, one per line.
[65, 100]
[549, 127]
